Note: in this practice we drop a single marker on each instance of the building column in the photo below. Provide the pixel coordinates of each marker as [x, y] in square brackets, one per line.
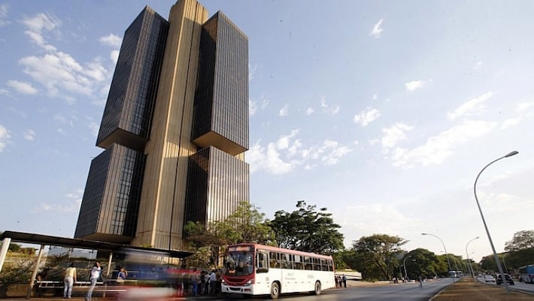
[34, 274]
[3, 251]
[109, 263]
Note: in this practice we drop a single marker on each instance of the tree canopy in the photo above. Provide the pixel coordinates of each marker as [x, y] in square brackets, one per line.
[307, 229]
[421, 262]
[378, 251]
[246, 224]
[521, 240]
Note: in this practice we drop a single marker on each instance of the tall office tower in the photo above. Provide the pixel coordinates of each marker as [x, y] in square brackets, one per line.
[175, 129]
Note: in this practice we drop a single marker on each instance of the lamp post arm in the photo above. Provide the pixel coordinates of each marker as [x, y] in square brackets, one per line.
[484, 221]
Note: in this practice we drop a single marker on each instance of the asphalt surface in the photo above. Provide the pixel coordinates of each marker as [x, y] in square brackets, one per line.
[526, 287]
[397, 292]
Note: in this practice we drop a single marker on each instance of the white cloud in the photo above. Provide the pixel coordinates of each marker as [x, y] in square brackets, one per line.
[366, 116]
[332, 151]
[258, 105]
[471, 107]
[414, 85]
[329, 109]
[111, 40]
[376, 32]
[283, 142]
[288, 152]
[114, 56]
[265, 103]
[4, 92]
[375, 96]
[93, 127]
[58, 71]
[284, 111]
[443, 145]
[510, 122]
[252, 71]
[22, 87]
[3, 15]
[524, 106]
[29, 135]
[268, 159]
[394, 134]
[309, 111]
[252, 107]
[35, 27]
[4, 137]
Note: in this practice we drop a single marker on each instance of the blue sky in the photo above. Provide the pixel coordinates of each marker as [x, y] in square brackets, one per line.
[383, 112]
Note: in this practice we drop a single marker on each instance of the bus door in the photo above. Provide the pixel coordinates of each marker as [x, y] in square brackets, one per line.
[262, 281]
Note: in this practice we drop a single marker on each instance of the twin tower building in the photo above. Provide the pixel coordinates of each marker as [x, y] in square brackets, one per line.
[174, 130]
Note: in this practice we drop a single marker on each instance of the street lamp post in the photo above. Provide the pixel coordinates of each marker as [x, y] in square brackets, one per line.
[445, 248]
[467, 256]
[484, 220]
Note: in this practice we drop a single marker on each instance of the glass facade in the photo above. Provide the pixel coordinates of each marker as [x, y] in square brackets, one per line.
[217, 183]
[131, 97]
[111, 198]
[221, 99]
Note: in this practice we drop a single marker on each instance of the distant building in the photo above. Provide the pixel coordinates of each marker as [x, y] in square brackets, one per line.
[174, 130]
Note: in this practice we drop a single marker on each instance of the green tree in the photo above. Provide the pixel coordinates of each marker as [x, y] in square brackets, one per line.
[521, 240]
[307, 229]
[246, 224]
[421, 262]
[378, 255]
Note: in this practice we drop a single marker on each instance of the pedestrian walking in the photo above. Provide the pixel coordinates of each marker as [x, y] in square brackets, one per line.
[122, 275]
[194, 281]
[213, 282]
[207, 282]
[420, 281]
[68, 281]
[344, 279]
[95, 274]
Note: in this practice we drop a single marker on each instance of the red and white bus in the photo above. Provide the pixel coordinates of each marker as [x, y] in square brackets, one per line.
[254, 269]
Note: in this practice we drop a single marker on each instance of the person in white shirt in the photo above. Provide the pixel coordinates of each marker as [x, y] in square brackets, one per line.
[95, 274]
[213, 281]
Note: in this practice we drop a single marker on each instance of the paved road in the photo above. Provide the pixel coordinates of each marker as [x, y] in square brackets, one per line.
[398, 292]
[527, 287]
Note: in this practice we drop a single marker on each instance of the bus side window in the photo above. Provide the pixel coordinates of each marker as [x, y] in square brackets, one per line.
[298, 262]
[316, 264]
[273, 260]
[330, 265]
[286, 264]
[308, 263]
[261, 262]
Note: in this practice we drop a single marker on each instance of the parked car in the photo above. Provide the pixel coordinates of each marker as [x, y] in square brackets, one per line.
[489, 279]
[507, 277]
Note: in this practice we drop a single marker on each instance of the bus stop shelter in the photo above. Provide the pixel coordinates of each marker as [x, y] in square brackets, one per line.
[47, 240]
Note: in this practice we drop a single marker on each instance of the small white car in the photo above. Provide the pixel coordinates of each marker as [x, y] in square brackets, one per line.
[489, 279]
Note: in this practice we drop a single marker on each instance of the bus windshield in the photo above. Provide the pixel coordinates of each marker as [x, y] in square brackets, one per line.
[239, 263]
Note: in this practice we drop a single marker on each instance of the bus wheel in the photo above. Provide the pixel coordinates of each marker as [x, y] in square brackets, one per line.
[275, 290]
[317, 290]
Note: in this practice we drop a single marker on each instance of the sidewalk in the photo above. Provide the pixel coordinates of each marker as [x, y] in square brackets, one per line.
[468, 289]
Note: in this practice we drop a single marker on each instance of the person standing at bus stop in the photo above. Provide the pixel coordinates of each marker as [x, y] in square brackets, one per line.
[68, 281]
[344, 280]
[95, 274]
